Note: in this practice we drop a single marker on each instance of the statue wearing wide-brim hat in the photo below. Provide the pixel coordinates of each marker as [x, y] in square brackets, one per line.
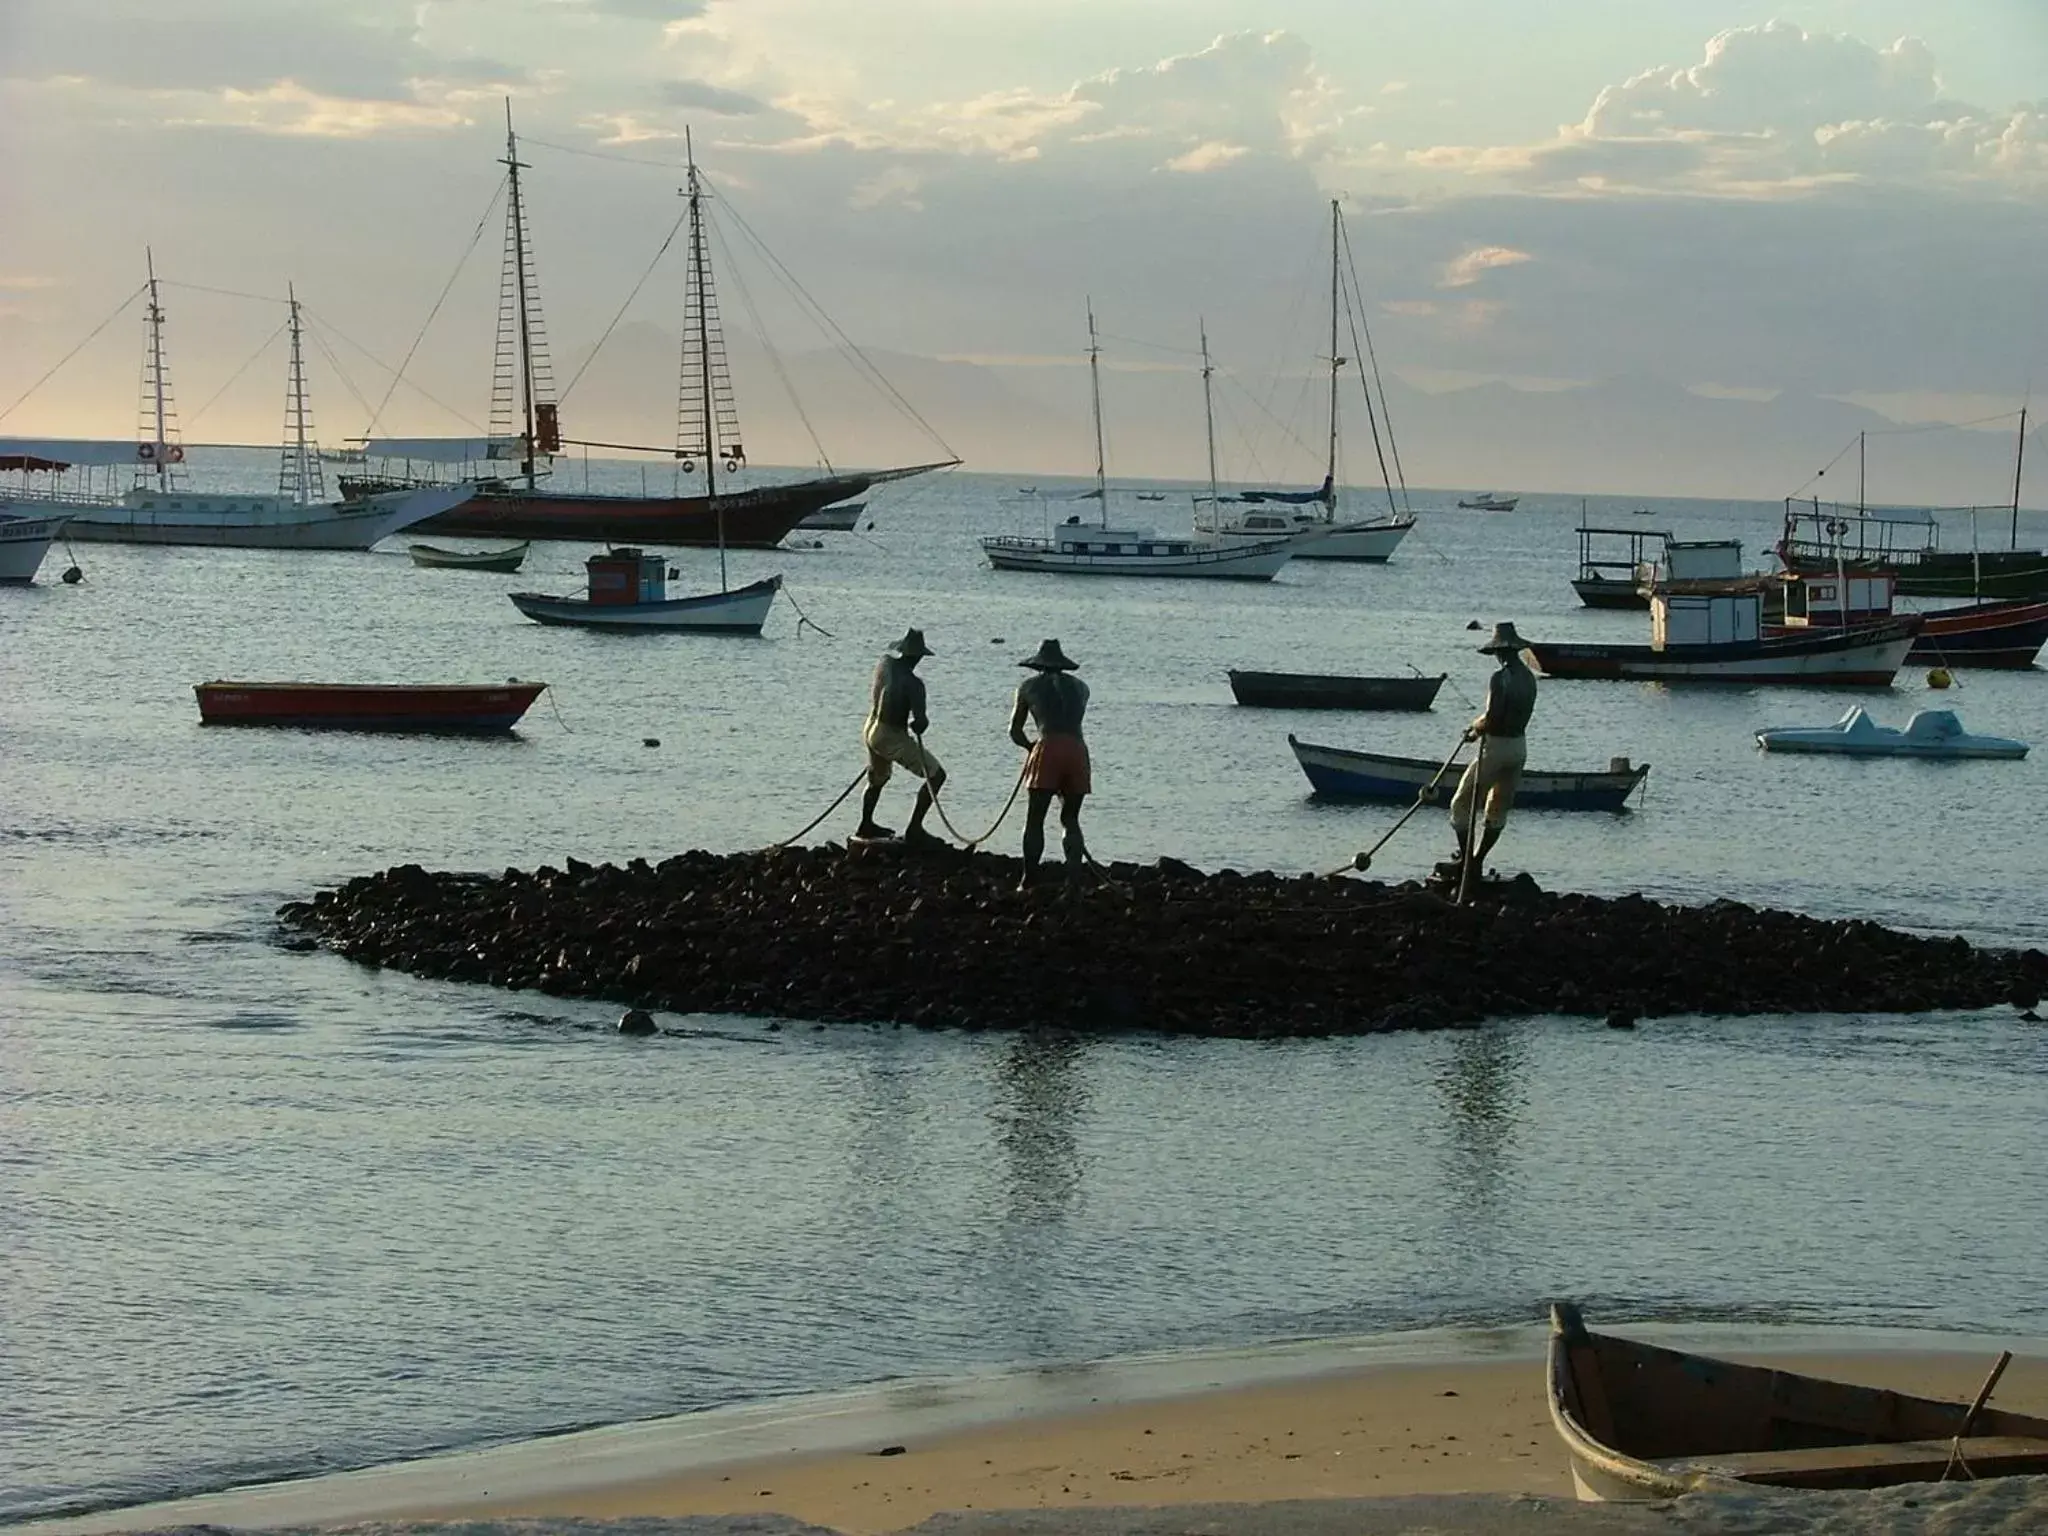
[1504, 641]
[911, 646]
[1050, 658]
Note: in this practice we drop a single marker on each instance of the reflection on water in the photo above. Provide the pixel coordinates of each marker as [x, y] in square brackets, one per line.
[1041, 1095]
[1482, 1087]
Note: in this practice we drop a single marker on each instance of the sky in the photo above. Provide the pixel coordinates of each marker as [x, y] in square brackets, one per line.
[1696, 200]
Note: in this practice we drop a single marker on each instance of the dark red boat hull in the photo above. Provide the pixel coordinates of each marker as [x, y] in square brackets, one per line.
[1983, 635]
[757, 519]
[458, 707]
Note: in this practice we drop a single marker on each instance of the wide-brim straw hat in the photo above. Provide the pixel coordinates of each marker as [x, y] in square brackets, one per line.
[1504, 641]
[912, 645]
[1050, 658]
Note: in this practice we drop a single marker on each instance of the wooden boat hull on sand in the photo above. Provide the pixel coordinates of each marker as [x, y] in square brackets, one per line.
[1641, 1422]
[1337, 774]
[1315, 690]
[463, 708]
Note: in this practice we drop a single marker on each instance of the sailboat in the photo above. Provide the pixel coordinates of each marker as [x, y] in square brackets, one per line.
[1097, 549]
[298, 517]
[628, 588]
[1271, 514]
[525, 430]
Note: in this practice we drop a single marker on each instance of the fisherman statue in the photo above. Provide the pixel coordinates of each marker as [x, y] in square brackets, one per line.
[894, 736]
[1055, 701]
[1495, 772]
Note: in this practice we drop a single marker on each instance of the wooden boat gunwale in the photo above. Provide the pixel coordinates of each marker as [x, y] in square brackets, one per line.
[1843, 1429]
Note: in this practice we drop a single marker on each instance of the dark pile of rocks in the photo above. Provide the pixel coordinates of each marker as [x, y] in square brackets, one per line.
[943, 939]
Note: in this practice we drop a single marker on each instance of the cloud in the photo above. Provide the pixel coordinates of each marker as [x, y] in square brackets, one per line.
[705, 97]
[898, 185]
[1772, 109]
[1467, 269]
[1207, 157]
[645, 10]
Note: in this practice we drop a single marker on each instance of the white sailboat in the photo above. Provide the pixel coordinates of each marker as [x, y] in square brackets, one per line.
[1274, 514]
[1097, 549]
[62, 481]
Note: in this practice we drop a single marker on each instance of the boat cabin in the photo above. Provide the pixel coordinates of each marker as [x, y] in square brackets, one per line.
[1699, 560]
[1618, 555]
[1838, 601]
[1074, 537]
[621, 577]
[1705, 618]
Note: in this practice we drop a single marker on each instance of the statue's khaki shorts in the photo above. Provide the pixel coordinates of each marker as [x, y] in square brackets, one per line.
[891, 745]
[1493, 777]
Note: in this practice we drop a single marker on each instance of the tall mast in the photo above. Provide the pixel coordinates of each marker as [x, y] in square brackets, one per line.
[1336, 362]
[695, 192]
[513, 166]
[2019, 464]
[1209, 417]
[158, 455]
[1861, 507]
[1095, 392]
[299, 476]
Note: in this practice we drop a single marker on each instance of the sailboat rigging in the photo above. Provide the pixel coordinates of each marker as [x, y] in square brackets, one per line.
[525, 425]
[1103, 550]
[1372, 539]
[157, 509]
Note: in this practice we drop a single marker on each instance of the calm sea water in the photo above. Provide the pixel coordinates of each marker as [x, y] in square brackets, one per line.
[264, 1213]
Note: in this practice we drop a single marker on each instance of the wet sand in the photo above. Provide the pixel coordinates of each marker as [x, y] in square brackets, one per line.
[1289, 1427]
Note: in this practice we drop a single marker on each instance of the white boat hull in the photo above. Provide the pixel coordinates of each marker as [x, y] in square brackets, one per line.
[1870, 658]
[1220, 561]
[253, 522]
[23, 543]
[1366, 542]
[741, 611]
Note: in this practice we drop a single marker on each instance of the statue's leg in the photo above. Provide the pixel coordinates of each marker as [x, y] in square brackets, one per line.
[1072, 844]
[1039, 801]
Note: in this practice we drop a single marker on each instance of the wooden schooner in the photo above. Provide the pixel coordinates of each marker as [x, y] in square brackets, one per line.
[526, 433]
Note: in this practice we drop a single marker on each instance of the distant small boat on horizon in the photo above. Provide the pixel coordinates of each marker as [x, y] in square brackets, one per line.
[1486, 501]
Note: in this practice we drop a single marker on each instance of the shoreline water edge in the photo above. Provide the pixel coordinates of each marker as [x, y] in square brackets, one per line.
[1452, 1420]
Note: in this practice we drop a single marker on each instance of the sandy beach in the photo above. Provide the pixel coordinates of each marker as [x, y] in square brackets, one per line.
[1145, 1434]
[1464, 1428]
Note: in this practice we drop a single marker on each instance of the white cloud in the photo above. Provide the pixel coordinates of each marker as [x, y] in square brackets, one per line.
[1467, 269]
[1772, 109]
[1207, 157]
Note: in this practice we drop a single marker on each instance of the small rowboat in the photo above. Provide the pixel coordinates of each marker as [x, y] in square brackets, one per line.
[1930, 733]
[440, 707]
[432, 555]
[1337, 774]
[1643, 1423]
[1313, 690]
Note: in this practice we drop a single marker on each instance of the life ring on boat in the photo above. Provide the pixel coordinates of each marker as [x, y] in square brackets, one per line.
[175, 453]
[689, 466]
[145, 452]
[732, 466]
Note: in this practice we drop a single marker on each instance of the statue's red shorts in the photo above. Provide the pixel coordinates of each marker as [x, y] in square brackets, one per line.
[1059, 764]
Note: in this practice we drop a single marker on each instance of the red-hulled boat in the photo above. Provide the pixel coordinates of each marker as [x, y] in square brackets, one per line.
[444, 707]
[2000, 633]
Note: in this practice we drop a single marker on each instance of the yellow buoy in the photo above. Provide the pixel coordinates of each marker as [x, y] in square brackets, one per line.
[1937, 677]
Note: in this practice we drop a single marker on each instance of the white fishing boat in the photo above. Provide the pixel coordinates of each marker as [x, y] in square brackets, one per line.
[1486, 501]
[23, 543]
[628, 591]
[1096, 549]
[57, 478]
[1277, 514]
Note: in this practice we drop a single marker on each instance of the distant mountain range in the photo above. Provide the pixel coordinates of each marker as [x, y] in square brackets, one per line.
[1621, 436]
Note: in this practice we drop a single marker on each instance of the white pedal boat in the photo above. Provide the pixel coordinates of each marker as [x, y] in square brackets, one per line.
[1930, 733]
